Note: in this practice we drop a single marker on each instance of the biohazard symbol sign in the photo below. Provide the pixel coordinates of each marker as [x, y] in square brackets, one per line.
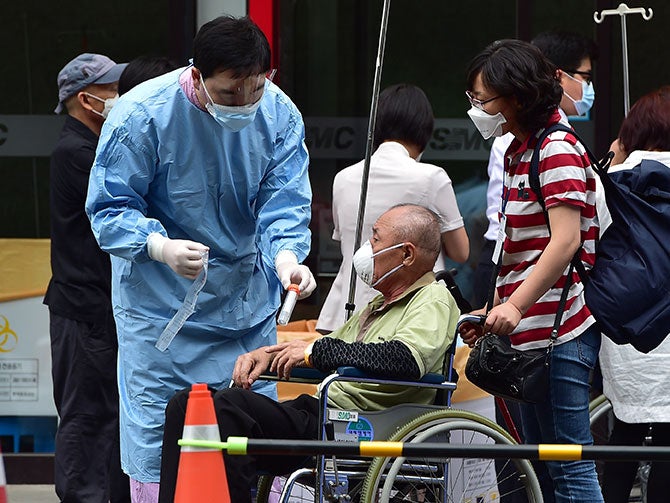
[8, 338]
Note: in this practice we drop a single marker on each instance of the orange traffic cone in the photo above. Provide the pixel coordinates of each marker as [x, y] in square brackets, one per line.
[3, 480]
[202, 474]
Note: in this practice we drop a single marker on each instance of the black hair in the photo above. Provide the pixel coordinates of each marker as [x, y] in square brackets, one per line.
[565, 49]
[144, 68]
[518, 69]
[230, 43]
[404, 114]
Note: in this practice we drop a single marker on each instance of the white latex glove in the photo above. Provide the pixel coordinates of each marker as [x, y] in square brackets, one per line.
[289, 271]
[181, 255]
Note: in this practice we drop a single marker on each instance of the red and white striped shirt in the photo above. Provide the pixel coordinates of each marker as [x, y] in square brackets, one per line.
[566, 177]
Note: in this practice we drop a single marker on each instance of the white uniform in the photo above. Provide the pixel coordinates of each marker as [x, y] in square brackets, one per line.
[394, 178]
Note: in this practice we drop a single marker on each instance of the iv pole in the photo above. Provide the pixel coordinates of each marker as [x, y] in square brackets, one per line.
[350, 306]
[623, 10]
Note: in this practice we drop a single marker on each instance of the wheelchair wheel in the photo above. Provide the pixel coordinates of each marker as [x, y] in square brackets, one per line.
[450, 479]
[296, 488]
[601, 419]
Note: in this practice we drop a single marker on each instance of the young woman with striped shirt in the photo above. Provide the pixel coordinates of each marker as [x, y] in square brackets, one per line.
[513, 88]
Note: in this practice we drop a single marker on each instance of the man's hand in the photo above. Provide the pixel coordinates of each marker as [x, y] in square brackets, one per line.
[250, 365]
[182, 256]
[503, 319]
[289, 271]
[287, 355]
[470, 332]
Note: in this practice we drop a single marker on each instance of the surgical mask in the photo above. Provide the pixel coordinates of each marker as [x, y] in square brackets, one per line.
[364, 263]
[584, 104]
[109, 104]
[234, 118]
[487, 124]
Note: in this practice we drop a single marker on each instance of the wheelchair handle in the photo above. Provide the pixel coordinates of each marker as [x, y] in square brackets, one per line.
[475, 319]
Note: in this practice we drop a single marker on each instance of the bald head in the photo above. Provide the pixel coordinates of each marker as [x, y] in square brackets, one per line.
[417, 225]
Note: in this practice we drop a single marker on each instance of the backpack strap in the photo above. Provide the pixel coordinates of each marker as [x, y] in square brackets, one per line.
[600, 167]
[534, 181]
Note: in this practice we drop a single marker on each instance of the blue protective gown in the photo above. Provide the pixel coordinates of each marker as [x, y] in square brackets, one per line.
[164, 165]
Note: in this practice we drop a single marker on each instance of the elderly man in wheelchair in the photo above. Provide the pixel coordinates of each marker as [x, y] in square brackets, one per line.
[401, 335]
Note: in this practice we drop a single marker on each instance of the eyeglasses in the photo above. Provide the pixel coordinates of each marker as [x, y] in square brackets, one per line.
[587, 76]
[479, 103]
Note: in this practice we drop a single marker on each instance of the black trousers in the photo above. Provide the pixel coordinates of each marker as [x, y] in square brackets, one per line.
[87, 460]
[243, 413]
[619, 476]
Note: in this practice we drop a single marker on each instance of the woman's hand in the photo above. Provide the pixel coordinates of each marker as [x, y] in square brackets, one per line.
[503, 319]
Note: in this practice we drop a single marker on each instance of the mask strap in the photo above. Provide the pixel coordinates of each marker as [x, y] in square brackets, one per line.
[206, 91]
[386, 275]
[93, 109]
[571, 77]
[570, 97]
[387, 249]
[93, 96]
[583, 84]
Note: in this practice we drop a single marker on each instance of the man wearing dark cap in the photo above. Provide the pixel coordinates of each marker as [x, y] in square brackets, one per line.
[82, 329]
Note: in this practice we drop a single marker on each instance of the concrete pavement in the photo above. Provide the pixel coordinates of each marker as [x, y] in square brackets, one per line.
[31, 493]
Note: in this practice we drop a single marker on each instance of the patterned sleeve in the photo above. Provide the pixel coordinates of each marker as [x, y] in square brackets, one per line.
[385, 359]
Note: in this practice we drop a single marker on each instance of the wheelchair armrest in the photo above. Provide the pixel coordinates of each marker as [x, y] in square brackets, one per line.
[298, 374]
[308, 373]
[314, 376]
[432, 378]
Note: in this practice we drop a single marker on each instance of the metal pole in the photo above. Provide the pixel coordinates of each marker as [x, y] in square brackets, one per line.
[350, 306]
[622, 11]
[542, 452]
[624, 50]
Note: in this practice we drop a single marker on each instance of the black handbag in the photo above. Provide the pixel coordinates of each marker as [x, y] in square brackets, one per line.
[499, 369]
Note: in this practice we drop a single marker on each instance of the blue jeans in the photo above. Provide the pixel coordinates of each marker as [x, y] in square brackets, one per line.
[564, 419]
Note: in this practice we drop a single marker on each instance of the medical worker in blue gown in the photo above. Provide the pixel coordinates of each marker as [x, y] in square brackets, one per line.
[210, 158]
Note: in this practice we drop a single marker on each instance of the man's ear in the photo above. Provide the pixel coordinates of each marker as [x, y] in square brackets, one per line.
[560, 76]
[409, 254]
[84, 101]
[196, 76]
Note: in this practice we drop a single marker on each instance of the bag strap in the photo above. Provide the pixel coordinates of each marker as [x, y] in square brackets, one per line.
[561, 303]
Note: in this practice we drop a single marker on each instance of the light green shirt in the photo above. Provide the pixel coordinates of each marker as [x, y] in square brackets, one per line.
[423, 318]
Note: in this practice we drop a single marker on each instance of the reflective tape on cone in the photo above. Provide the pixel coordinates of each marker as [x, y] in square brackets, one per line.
[200, 432]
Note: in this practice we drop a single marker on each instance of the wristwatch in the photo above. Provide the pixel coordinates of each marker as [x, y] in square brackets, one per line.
[308, 355]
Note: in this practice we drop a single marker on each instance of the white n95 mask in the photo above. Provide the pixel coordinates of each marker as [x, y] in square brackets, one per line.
[234, 118]
[487, 124]
[364, 263]
[109, 104]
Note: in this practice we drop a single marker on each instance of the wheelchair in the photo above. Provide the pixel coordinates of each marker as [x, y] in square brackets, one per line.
[403, 479]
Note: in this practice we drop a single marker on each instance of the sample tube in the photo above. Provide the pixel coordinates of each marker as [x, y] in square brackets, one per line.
[292, 293]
